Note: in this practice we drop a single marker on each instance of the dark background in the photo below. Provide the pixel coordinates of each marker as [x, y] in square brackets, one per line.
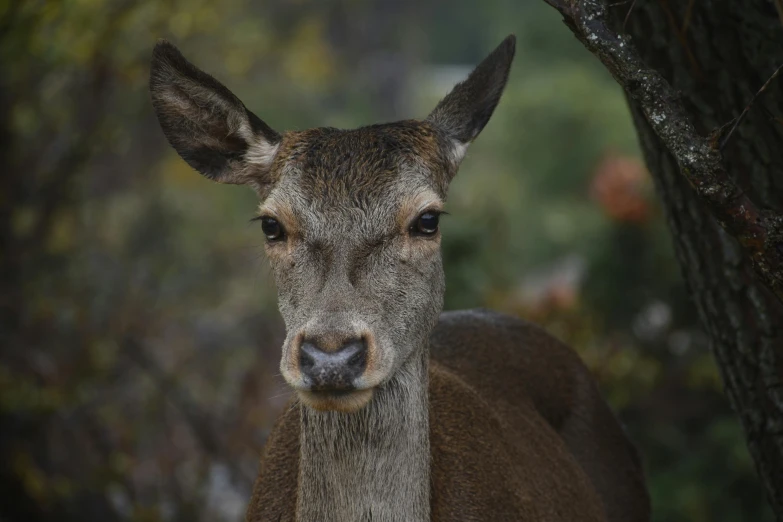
[140, 336]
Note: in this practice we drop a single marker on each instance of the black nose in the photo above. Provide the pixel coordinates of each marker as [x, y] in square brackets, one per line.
[332, 371]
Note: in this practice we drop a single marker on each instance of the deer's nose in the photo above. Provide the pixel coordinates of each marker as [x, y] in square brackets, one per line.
[332, 370]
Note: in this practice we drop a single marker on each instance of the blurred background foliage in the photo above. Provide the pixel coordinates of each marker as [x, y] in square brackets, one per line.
[140, 337]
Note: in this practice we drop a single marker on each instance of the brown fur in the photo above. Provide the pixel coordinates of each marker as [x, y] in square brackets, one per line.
[540, 411]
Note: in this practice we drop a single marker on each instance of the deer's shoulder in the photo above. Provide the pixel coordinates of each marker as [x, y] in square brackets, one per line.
[537, 396]
[502, 390]
[472, 441]
[510, 360]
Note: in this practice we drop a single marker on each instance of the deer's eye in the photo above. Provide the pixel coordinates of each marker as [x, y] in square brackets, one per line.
[426, 224]
[272, 228]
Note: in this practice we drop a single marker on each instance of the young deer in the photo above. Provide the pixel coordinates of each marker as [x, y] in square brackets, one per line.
[403, 413]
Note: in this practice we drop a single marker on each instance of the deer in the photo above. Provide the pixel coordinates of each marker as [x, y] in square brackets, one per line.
[401, 412]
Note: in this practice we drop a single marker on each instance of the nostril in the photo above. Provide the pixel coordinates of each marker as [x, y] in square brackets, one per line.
[357, 358]
[307, 357]
[356, 354]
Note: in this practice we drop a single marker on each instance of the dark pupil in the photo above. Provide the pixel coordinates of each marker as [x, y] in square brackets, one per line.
[271, 227]
[428, 223]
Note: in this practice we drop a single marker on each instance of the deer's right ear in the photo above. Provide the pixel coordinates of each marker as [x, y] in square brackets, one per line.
[206, 124]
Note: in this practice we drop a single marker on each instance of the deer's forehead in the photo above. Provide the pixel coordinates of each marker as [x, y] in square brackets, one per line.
[374, 176]
[364, 164]
[372, 211]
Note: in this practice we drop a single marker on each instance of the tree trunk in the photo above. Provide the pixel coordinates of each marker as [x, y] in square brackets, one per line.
[718, 60]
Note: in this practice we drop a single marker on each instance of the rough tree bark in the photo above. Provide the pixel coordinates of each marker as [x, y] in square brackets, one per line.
[715, 55]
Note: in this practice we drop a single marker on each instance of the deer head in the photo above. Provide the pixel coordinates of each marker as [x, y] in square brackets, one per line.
[350, 218]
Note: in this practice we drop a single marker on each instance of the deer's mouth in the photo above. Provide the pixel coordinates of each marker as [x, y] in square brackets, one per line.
[346, 401]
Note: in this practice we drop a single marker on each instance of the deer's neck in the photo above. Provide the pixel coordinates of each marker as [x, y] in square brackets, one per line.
[372, 464]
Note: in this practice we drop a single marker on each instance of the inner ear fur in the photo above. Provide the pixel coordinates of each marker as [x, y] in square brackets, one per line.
[208, 126]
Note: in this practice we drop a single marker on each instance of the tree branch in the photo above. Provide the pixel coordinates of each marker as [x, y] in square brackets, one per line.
[759, 232]
[736, 121]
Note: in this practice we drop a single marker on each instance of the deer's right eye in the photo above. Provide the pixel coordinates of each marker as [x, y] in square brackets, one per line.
[272, 228]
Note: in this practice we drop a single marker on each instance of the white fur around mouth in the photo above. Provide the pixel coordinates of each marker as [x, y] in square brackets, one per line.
[344, 401]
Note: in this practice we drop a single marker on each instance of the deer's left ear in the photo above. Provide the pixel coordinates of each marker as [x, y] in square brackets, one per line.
[467, 108]
[207, 125]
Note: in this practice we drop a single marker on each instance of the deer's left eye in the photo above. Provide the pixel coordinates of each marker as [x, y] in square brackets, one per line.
[272, 228]
[426, 224]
